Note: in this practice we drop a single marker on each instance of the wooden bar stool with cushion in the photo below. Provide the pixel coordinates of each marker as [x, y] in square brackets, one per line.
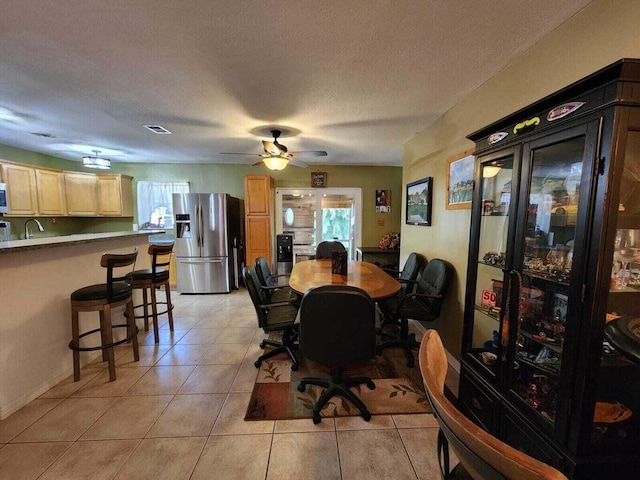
[153, 278]
[103, 298]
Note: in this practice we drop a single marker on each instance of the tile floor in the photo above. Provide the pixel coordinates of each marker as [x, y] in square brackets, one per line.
[178, 414]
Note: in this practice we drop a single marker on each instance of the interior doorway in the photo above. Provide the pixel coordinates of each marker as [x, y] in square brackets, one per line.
[313, 215]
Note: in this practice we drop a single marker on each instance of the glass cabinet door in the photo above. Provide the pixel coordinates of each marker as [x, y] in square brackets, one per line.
[495, 186]
[541, 293]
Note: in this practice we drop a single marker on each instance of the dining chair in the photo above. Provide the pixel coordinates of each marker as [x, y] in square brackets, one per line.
[326, 248]
[103, 298]
[337, 330]
[278, 293]
[481, 456]
[407, 277]
[272, 317]
[424, 304]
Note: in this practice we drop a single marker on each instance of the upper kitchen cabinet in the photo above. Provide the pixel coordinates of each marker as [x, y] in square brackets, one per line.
[115, 195]
[551, 345]
[51, 193]
[258, 195]
[258, 206]
[21, 189]
[81, 194]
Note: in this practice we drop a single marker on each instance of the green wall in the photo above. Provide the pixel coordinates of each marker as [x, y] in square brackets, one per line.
[224, 178]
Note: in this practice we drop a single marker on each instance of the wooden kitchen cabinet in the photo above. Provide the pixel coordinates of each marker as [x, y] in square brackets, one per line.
[258, 201]
[51, 192]
[257, 238]
[21, 189]
[257, 192]
[80, 189]
[115, 195]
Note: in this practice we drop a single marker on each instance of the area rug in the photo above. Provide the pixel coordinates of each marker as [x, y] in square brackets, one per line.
[275, 394]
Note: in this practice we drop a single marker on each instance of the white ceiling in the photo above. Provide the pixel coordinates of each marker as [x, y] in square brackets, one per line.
[357, 78]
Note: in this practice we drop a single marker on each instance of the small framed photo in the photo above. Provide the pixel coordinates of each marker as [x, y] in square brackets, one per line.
[318, 179]
[460, 180]
[383, 201]
[418, 208]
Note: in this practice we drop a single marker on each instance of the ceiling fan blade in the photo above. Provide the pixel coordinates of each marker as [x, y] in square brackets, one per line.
[298, 163]
[308, 154]
[236, 153]
[257, 163]
[273, 148]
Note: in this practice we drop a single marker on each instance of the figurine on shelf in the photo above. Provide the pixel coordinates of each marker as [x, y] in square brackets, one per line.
[532, 398]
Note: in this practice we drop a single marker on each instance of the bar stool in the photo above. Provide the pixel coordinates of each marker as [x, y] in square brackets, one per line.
[103, 298]
[153, 278]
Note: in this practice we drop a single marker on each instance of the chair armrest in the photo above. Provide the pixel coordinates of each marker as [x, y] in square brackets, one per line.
[268, 306]
[414, 296]
[273, 287]
[394, 273]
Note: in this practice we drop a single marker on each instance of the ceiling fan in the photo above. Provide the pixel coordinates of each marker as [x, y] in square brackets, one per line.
[276, 156]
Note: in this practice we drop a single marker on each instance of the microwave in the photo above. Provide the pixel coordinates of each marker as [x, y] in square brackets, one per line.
[4, 206]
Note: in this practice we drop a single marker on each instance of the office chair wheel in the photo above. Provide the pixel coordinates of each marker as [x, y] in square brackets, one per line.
[366, 416]
[316, 418]
[294, 367]
[263, 344]
[371, 385]
[301, 387]
[257, 363]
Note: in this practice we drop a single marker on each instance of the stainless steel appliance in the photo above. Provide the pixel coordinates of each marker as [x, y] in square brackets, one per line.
[4, 200]
[5, 231]
[284, 244]
[208, 229]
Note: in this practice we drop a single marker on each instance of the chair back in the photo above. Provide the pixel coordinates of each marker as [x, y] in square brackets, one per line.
[412, 267]
[258, 295]
[337, 325]
[326, 248]
[160, 258]
[434, 280]
[264, 272]
[119, 267]
[482, 455]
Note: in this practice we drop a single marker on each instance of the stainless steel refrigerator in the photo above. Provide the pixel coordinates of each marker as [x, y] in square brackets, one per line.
[207, 248]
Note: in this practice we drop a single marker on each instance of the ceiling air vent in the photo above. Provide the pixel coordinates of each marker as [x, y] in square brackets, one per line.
[159, 129]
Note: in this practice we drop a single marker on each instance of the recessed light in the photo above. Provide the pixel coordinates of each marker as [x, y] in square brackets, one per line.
[157, 129]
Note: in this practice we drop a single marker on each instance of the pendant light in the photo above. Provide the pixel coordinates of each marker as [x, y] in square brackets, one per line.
[96, 162]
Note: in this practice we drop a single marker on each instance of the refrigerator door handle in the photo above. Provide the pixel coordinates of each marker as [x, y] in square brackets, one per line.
[200, 226]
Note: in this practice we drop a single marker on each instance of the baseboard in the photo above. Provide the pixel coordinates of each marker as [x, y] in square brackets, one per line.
[453, 361]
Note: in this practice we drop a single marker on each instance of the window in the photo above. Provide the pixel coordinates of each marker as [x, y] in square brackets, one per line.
[155, 203]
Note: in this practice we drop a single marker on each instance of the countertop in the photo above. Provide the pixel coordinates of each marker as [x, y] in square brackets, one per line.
[65, 240]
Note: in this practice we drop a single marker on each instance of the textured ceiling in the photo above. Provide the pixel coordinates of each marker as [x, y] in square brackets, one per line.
[357, 78]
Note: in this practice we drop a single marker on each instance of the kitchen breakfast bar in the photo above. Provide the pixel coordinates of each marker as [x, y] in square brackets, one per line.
[37, 277]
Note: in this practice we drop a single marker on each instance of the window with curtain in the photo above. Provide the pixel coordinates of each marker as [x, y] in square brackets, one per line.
[155, 203]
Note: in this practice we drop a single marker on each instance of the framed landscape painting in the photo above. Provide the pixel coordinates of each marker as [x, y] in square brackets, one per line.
[460, 180]
[419, 202]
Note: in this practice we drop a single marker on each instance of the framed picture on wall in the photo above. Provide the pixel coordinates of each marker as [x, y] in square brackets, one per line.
[460, 180]
[418, 206]
[383, 201]
[318, 179]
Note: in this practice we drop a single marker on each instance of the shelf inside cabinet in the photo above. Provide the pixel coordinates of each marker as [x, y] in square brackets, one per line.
[550, 276]
[488, 312]
[499, 266]
[553, 346]
[547, 368]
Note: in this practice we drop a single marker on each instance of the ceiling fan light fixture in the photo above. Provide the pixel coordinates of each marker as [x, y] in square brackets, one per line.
[96, 161]
[275, 163]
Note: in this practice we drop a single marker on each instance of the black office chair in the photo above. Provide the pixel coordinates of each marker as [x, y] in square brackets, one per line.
[481, 455]
[278, 293]
[326, 248]
[407, 278]
[272, 317]
[337, 328]
[423, 304]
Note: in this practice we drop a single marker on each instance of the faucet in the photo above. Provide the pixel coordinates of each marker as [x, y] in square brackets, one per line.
[28, 233]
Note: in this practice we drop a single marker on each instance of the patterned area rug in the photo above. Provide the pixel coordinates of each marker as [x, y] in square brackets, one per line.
[398, 389]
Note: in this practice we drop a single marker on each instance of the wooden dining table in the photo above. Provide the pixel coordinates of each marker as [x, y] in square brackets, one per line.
[367, 276]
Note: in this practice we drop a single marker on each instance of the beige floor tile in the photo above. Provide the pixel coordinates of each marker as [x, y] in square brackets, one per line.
[26, 416]
[231, 418]
[358, 423]
[415, 420]
[149, 355]
[210, 379]
[225, 353]
[180, 322]
[247, 373]
[200, 336]
[166, 337]
[129, 417]
[91, 460]
[188, 416]
[67, 421]
[305, 425]
[161, 380]
[193, 310]
[377, 454]
[236, 335]
[100, 386]
[27, 461]
[311, 455]
[67, 386]
[184, 355]
[225, 458]
[163, 458]
[422, 446]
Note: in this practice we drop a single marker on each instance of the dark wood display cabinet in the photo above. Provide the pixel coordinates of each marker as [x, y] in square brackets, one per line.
[551, 347]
